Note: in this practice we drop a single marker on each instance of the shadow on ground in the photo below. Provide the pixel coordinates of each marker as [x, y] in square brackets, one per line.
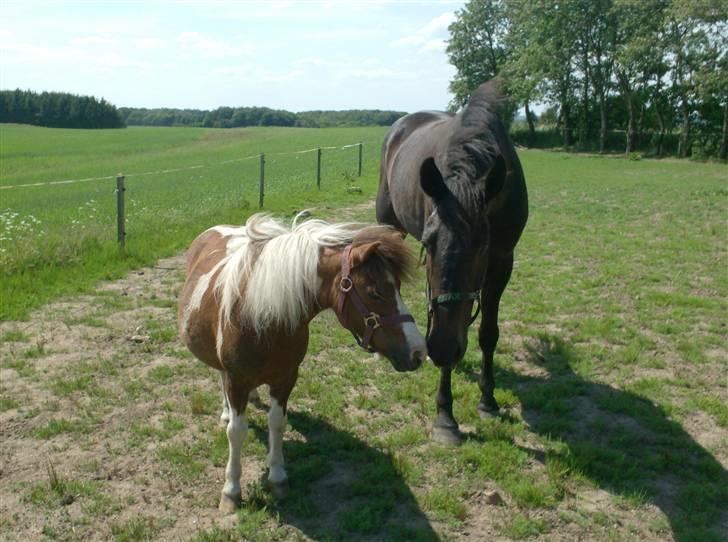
[343, 488]
[623, 442]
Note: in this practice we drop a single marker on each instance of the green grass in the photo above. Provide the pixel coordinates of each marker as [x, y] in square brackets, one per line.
[61, 239]
[610, 371]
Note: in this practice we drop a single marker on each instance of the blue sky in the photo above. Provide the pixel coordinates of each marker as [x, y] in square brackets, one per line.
[282, 54]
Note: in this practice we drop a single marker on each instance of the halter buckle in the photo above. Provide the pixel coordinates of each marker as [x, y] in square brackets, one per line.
[346, 284]
[372, 317]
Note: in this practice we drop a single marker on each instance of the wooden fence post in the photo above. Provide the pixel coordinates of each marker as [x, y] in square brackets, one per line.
[120, 219]
[359, 175]
[261, 184]
[318, 168]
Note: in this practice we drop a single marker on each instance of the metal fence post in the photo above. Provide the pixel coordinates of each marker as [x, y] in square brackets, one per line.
[261, 184]
[120, 220]
[318, 168]
[359, 175]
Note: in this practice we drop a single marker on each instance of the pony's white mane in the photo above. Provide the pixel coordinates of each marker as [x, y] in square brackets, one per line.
[282, 281]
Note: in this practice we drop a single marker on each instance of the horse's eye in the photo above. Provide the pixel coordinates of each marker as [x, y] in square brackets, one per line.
[373, 294]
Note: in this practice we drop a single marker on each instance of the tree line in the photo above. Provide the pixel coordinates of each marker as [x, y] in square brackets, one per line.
[234, 117]
[656, 68]
[57, 110]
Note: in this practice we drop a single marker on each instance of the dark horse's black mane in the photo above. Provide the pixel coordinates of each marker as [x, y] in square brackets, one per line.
[473, 148]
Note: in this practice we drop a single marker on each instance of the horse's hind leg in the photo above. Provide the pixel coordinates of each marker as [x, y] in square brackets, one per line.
[237, 428]
[499, 273]
[277, 419]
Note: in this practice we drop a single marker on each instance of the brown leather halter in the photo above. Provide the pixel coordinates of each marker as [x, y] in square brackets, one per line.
[371, 319]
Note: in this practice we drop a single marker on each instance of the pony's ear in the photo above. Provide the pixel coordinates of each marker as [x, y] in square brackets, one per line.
[361, 253]
[431, 180]
[496, 178]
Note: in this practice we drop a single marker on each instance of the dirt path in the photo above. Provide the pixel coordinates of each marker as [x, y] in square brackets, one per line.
[84, 384]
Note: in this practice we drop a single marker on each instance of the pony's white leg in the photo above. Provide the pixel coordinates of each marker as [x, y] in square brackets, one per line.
[225, 415]
[277, 476]
[237, 428]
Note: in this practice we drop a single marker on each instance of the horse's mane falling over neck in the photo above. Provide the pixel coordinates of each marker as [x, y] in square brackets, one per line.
[473, 147]
[272, 276]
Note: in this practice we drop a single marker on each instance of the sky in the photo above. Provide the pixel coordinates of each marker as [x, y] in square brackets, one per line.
[294, 55]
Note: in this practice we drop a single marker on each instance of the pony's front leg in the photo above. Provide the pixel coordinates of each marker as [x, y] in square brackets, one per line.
[253, 396]
[445, 429]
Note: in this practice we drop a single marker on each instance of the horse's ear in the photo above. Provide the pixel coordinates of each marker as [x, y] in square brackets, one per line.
[431, 180]
[361, 253]
[496, 178]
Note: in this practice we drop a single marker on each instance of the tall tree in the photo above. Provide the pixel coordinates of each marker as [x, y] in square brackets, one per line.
[477, 46]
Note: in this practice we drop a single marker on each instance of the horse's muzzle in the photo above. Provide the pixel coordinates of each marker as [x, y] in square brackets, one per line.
[409, 363]
[445, 354]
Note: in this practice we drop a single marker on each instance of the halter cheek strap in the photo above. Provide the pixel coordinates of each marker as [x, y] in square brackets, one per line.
[372, 320]
[450, 297]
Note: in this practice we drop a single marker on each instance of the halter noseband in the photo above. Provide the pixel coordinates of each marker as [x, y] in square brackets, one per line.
[372, 320]
[450, 297]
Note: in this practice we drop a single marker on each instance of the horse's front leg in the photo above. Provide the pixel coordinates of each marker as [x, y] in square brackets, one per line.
[237, 429]
[253, 397]
[499, 272]
[445, 429]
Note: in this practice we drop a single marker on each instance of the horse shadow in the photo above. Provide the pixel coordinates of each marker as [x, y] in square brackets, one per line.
[624, 443]
[342, 488]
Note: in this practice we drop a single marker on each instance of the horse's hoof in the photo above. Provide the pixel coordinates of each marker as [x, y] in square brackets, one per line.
[448, 435]
[228, 505]
[488, 413]
[224, 419]
[279, 490]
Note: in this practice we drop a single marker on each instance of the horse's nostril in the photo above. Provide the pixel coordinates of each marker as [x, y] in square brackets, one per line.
[418, 356]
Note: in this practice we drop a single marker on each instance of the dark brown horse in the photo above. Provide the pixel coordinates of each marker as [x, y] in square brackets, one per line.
[250, 294]
[455, 183]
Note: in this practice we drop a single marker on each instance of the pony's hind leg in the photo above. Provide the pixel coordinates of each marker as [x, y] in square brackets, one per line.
[237, 429]
[277, 420]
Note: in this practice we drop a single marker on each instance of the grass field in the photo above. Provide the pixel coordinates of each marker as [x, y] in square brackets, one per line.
[61, 238]
[611, 370]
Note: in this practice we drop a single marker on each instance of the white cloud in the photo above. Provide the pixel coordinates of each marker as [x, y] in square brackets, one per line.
[437, 24]
[425, 39]
[408, 40]
[432, 46]
[199, 44]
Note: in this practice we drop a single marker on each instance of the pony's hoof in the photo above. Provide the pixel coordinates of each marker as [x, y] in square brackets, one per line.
[279, 490]
[488, 413]
[224, 419]
[448, 435]
[228, 505]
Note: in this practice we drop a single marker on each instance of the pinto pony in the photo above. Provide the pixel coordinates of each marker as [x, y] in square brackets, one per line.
[250, 294]
[455, 183]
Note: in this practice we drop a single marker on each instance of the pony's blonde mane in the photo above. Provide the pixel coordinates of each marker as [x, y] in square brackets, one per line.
[271, 270]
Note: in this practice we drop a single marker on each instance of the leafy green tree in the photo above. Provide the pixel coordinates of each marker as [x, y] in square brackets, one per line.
[477, 46]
